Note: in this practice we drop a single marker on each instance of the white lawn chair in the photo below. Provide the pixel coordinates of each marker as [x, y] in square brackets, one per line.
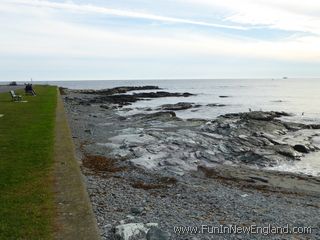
[15, 97]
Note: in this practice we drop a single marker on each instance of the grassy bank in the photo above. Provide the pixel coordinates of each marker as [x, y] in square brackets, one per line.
[26, 161]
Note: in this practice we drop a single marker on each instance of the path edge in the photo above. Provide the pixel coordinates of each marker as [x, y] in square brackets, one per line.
[74, 218]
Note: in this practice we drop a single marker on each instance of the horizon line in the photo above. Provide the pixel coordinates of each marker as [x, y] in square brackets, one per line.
[162, 79]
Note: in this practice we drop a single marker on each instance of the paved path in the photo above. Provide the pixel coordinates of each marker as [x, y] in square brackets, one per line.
[75, 218]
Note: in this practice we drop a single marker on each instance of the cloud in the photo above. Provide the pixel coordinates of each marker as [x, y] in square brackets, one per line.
[67, 32]
[118, 12]
[60, 39]
[42, 33]
[289, 15]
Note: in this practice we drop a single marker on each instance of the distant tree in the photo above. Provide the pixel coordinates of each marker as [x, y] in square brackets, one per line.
[13, 84]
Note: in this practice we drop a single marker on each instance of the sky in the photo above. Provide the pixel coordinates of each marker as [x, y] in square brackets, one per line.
[158, 39]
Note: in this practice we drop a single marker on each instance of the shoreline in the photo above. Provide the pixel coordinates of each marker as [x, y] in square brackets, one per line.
[124, 191]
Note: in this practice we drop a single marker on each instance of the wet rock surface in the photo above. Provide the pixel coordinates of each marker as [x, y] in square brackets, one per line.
[158, 168]
[216, 105]
[118, 96]
[117, 90]
[177, 106]
[162, 141]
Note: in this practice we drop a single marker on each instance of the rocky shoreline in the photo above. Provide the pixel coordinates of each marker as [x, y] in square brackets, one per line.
[150, 172]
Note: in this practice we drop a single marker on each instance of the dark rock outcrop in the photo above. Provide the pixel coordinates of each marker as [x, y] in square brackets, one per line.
[161, 94]
[119, 97]
[160, 115]
[177, 106]
[301, 148]
[117, 90]
[216, 105]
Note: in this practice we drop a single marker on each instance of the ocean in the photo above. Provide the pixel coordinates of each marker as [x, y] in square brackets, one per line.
[297, 96]
[300, 97]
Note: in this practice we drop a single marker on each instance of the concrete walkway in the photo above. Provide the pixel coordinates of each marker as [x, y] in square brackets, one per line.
[75, 218]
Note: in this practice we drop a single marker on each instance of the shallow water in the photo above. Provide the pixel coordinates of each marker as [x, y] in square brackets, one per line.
[297, 96]
[310, 164]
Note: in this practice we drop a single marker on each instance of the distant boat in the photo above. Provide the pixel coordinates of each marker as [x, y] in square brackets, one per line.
[285, 78]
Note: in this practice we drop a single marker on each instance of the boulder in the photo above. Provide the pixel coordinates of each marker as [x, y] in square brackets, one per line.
[301, 148]
[137, 210]
[133, 231]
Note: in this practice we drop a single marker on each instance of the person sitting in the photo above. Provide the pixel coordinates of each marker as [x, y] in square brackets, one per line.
[29, 89]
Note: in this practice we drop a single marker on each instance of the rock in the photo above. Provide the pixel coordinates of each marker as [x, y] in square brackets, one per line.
[261, 179]
[271, 138]
[88, 131]
[177, 106]
[186, 94]
[150, 225]
[137, 210]
[105, 106]
[258, 115]
[216, 105]
[301, 148]
[287, 151]
[294, 126]
[127, 99]
[160, 94]
[131, 231]
[262, 116]
[227, 145]
[126, 109]
[161, 141]
[122, 118]
[157, 234]
[314, 126]
[117, 90]
[130, 217]
[163, 115]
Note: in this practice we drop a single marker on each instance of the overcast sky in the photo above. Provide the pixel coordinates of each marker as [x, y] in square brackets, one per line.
[156, 39]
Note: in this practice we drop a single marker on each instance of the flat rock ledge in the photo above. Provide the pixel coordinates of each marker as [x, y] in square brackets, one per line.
[162, 141]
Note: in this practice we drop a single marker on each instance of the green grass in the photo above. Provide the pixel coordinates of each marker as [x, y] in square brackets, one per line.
[26, 163]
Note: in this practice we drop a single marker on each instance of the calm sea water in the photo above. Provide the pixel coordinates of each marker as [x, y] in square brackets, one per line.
[301, 97]
[296, 96]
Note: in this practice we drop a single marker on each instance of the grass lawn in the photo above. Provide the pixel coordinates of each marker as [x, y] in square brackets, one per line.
[26, 163]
